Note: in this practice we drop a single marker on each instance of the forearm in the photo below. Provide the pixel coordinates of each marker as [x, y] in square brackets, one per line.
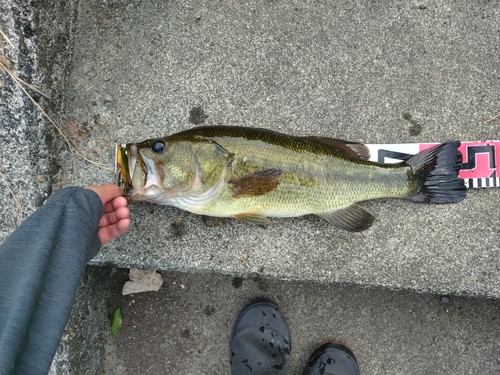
[41, 264]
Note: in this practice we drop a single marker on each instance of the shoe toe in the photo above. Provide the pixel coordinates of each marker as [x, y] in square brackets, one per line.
[260, 341]
[332, 359]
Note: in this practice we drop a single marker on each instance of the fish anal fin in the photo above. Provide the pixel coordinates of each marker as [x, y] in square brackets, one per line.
[253, 218]
[350, 149]
[257, 183]
[353, 218]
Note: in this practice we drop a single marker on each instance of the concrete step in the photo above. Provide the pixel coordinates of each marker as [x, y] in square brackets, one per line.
[347, 70]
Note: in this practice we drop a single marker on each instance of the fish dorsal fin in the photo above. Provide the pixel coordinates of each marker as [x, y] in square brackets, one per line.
[257, 183]
[253, 218]
[353, 218]
[350, 149]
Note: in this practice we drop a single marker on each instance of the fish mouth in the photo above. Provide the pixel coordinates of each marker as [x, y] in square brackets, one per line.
[137, 185]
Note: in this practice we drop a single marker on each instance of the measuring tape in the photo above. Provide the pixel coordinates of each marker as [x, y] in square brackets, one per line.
[480, 160]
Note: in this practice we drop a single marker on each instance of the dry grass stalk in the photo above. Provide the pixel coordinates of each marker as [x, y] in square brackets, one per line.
[7, 39]
[33, 88]
[70, 145]
[493, 117]
[5, 65]
[18, 204]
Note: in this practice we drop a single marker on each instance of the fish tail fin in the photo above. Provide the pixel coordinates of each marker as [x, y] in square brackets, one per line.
[435, 175]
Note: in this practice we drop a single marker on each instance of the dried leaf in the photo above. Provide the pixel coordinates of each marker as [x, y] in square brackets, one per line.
[142, 281]
[74, 131]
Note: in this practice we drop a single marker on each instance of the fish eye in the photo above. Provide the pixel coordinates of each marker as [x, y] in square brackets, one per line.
[158, 147]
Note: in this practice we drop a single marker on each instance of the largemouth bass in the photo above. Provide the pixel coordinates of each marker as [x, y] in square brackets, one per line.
[251, 174]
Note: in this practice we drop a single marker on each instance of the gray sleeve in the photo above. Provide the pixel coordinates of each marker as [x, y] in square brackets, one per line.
[41, 264]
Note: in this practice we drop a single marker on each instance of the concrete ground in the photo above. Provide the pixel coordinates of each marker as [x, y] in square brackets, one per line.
[375, 72]
[184, 328]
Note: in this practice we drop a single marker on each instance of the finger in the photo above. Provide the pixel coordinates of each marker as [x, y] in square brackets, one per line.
[106, 192]
[116, 230]
[114, 204]
[122, 213]
[112, 231]
[119, 202]
[115, 216]
[123, 226]
[112, 217]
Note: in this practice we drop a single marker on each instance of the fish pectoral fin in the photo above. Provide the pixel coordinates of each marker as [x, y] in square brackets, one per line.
[352, 150]
[353, 218]
[257, 183]
[253, 218]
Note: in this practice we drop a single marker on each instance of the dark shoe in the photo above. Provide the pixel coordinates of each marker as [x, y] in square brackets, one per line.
[332, 358]
[260, 342]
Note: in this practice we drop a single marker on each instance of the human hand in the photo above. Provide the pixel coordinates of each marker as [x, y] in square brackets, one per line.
[116, 218]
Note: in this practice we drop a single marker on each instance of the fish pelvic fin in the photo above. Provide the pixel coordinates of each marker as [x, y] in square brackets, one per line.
[253, 218]
[434, 175]
[257, 183]
[353, 218]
